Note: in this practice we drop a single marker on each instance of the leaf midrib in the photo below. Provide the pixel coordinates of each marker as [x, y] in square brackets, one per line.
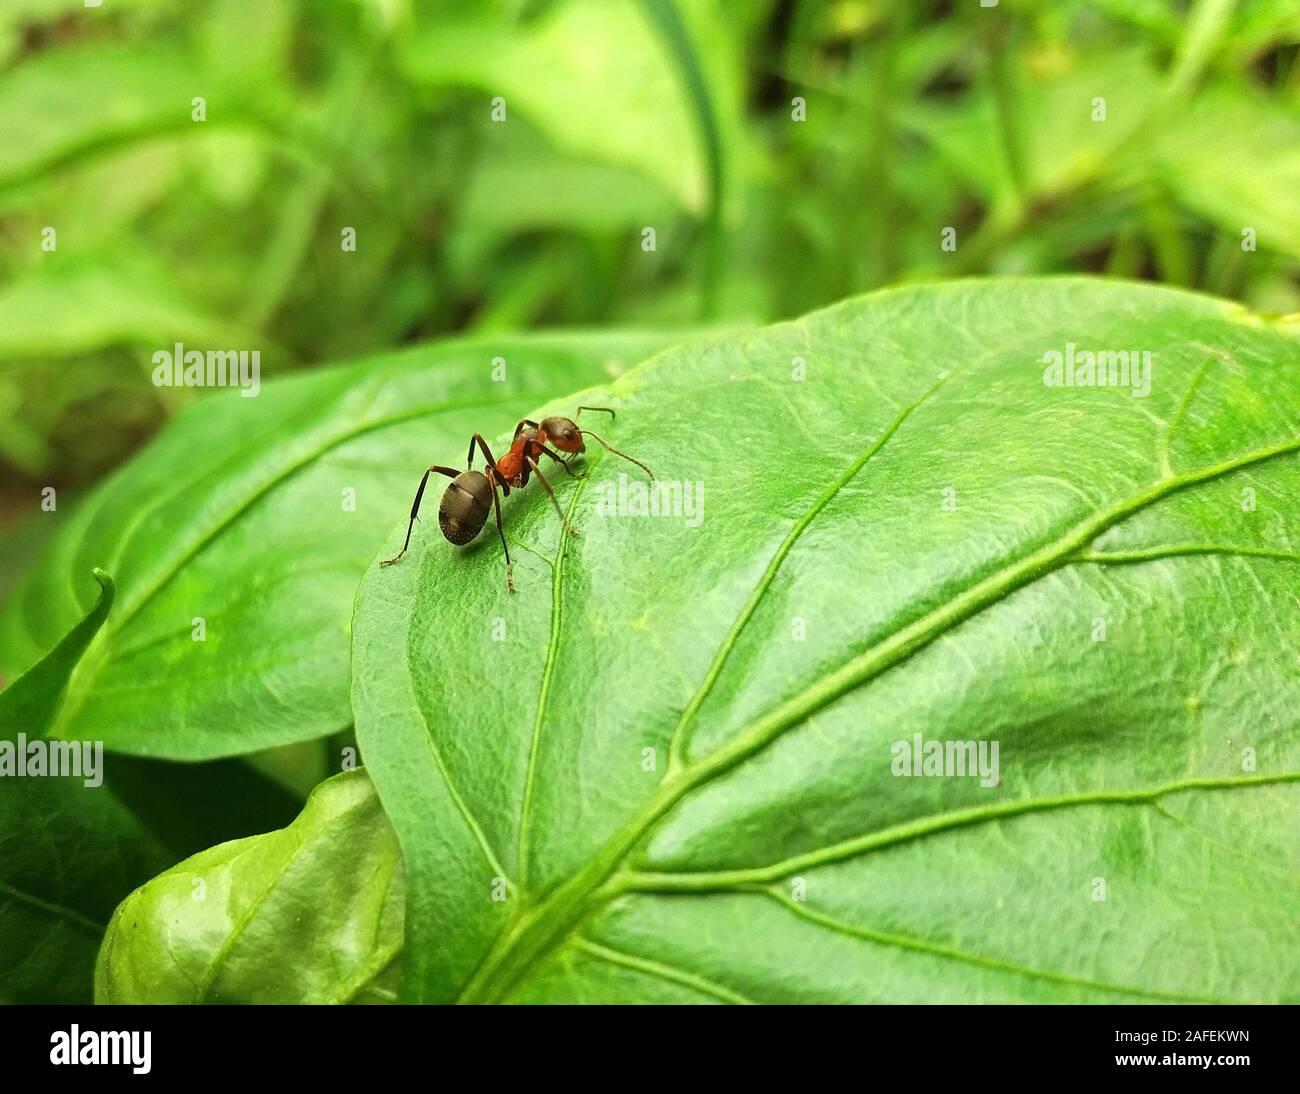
[540, 930]
[552, 653]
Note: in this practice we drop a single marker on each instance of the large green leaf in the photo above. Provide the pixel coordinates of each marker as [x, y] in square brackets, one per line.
[919, 537]
[258, 516]
[308, 914]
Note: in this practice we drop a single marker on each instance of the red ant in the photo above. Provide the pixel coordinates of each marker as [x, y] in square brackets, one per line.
[464, 507]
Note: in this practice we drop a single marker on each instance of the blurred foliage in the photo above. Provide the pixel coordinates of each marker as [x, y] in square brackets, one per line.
[621, 114]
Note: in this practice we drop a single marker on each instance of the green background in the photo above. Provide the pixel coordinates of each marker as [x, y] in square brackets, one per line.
[787, 156]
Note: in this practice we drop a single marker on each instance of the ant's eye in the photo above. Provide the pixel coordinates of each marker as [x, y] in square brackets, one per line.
[568, 433]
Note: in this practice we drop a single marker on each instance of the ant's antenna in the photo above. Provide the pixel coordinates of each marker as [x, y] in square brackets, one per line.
[589, 433]
[616, 452]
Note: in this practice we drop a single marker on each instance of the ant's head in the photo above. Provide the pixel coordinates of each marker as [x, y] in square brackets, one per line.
[564, 434]
[567, 437]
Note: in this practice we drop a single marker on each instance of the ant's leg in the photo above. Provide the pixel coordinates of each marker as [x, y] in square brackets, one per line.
[496, 505]
[561, 461]
[491, 461]
[602, 409]
[547, 486]
[525, 422]
[451, 473]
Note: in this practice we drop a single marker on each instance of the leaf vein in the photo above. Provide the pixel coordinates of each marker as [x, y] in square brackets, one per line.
[659, 969]
[919, 945]
[678, 743]
[930, 825]
[51, 908]
[552, 653]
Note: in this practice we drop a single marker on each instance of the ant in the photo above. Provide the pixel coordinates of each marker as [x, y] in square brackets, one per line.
[464, 507]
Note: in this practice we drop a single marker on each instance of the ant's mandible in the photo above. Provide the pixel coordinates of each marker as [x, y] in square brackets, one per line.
[464, 507]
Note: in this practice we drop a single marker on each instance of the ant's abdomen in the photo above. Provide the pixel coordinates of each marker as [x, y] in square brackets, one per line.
[456, 530]
[464, 507]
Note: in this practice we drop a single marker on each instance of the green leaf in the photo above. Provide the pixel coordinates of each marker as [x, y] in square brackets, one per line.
[72, 847]
[309, 914]
[28, 705]
[571, 72]
[564, 193]
[672, 749]
[79, 307]
[1053, 104]
[68, 103]
[71, 850]
[258, 516]
[667, 20]
[68, 854]
[1251, 129]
